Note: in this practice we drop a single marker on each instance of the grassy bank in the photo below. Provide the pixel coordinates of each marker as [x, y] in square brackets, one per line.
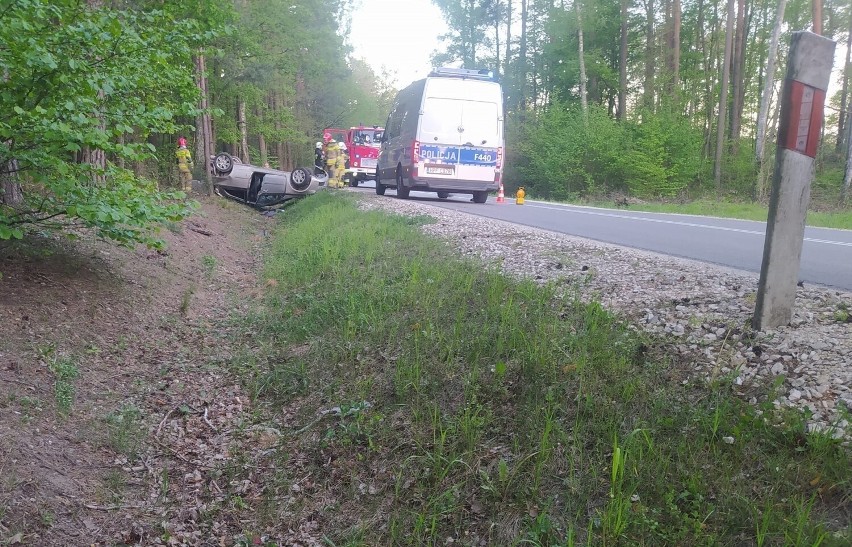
[427, 400]
[839, 218]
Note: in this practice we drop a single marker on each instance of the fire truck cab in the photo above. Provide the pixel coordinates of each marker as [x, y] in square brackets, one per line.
[362, 151]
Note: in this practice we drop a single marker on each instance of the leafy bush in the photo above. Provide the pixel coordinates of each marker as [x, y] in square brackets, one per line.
[559, 156]
[80, 80]
[664, 155]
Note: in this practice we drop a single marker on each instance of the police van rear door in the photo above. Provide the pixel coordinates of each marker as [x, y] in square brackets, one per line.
[482, 138]
[460, 129]
[440, 136]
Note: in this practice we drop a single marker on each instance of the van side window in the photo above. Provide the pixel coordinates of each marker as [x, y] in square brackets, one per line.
[403, 119]
[395, 122]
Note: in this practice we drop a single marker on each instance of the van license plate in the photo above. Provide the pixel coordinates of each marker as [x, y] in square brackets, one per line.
[439, 170]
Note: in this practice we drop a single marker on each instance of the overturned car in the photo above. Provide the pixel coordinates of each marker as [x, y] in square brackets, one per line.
[261, 186]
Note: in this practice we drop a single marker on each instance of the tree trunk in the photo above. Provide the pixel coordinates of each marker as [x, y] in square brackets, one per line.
[507, 58]
[205, 129]
[622, 65]
[769, 84]
[723, 98]
[471, 19]
[96, 158]
[241, 122]
[583, 99]
[738, 73]
[844, 118]
[675, 45]
[279, 144]
[847, 179]
[12, 195]
[708, 89]
[498, 6]
[288, 156]
[522, 58]
[816, 7]
[650, 55]
[264, 160]
[261, 138]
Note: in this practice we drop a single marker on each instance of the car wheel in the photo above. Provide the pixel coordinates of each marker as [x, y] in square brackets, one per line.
[380, 188]
[300, 179]
[443, 195]
[480, 197]
[401, 191]
[223, 163]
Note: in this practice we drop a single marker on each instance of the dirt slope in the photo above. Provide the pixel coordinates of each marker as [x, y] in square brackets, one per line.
[132, 333]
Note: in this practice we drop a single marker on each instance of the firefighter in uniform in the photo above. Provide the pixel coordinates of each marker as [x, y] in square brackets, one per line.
[332, 152]
[185, 164]
[341, 165]
[318, 155]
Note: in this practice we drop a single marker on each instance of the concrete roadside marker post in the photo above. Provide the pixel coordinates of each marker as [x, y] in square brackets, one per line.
[802, 102]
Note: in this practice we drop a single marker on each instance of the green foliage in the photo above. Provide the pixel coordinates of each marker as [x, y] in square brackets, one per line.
[560, 156]
[663, 156]
[64, 371]
[80, 80]
[124, 430]
[468, 23]
[557, 156]
[287, 62]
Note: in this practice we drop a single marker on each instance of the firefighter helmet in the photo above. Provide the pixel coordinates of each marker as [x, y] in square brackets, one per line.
[181, 142]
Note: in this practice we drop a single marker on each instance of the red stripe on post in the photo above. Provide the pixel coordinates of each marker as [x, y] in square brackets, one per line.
[801, 117]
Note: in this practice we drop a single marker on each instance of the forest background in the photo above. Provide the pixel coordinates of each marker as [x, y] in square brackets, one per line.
[657, 99]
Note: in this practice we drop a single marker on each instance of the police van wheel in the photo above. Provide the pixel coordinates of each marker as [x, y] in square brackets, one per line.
[480, 197]
[443, 195]
[380, 188]
[401, 191]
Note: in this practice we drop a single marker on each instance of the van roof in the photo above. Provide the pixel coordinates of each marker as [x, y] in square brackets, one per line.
[463, 73]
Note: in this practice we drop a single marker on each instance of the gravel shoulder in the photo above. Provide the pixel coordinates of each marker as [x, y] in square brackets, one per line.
[701, 312]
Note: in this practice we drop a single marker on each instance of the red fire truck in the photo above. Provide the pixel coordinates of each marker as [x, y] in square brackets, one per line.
[362, 150]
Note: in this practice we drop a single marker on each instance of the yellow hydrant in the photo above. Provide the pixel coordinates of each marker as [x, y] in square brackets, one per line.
[519, 197]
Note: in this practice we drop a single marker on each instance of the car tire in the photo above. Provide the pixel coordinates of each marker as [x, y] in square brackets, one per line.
[443, 195]
[300, 179]
[480, 197]
[401, 190]
[223, 163]
[380, 188]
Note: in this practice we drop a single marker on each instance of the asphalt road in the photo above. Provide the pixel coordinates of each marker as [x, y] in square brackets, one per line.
[826, 254]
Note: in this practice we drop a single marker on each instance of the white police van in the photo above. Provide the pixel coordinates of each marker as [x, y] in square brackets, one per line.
[444, 134]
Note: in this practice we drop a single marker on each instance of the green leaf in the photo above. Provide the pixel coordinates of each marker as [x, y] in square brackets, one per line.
[10, 233]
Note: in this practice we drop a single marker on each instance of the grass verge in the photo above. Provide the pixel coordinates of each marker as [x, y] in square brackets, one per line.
[437, 402]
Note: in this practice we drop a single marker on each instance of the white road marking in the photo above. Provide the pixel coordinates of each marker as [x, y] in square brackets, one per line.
[681, 223]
